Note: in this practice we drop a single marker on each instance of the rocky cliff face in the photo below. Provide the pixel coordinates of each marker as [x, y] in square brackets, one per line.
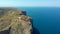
[14, 21]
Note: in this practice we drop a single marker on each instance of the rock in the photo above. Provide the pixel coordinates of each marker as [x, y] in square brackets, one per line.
[14, 21]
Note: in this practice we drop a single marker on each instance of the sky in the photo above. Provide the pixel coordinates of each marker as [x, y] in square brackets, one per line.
[29, 3]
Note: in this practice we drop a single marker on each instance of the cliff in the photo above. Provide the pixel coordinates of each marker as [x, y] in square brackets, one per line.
[14, 21]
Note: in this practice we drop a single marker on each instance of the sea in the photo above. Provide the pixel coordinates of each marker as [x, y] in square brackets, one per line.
[46, 20]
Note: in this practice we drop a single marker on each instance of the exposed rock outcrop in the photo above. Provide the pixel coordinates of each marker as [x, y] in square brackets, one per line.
[16, 20]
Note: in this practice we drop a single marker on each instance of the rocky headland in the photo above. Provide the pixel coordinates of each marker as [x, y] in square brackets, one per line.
[14, 21]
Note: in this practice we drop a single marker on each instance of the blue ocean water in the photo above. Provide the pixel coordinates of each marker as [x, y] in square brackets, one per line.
[46, 20]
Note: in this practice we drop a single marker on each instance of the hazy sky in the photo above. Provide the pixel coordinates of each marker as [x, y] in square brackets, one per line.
[26, 3]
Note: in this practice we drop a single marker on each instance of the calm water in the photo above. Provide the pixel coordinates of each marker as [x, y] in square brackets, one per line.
[46, 20]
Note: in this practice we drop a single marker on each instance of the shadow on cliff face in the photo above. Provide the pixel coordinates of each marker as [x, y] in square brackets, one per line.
[35, 31]
[5, 32]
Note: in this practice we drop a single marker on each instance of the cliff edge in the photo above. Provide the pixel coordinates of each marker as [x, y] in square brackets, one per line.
[14, 21]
